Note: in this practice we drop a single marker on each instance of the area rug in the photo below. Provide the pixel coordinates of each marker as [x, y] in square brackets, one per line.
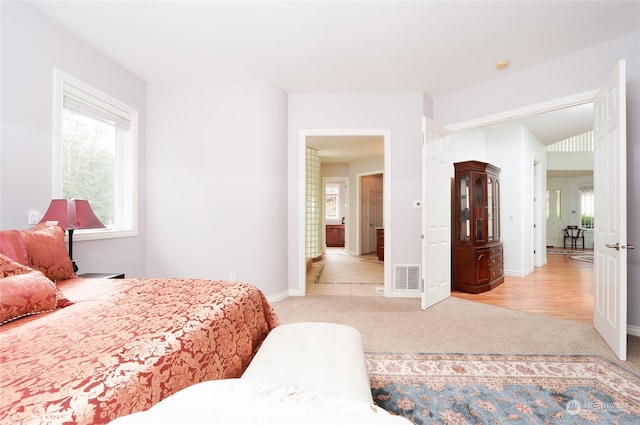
[560, 251]
[457, 389]
[587, 258]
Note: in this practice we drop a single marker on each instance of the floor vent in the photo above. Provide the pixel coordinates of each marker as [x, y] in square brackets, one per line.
[407, 277]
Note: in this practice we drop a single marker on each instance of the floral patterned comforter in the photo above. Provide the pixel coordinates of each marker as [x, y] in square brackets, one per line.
[124, 345]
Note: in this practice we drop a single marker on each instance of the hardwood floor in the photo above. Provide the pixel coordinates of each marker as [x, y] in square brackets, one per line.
[563, 289]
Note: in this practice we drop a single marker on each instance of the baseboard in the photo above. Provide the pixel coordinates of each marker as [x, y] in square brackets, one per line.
[278, 297]
[633, 330]
[520, 274]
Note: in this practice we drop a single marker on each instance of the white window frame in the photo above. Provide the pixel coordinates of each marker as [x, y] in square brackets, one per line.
[580, 189]
[337, 200]
[127, 162]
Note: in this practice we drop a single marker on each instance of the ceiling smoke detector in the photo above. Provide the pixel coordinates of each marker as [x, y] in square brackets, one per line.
[502, 65]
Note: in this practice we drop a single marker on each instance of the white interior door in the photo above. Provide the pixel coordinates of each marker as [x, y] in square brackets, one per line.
[555, 224]
[610, 235]
[436, 214]
[375, 216]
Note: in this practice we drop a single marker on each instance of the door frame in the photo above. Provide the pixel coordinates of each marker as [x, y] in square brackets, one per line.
[538, 245]
[538, 108]
[302, 164]
[358, 247]
[561, 103]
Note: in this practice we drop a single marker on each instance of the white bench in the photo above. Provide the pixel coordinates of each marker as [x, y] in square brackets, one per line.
[311, 373]
[324, 357]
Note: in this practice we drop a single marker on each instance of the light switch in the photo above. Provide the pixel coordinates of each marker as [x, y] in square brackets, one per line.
[33, 217]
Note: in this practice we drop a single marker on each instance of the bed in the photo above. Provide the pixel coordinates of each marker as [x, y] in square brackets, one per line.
[109, 347]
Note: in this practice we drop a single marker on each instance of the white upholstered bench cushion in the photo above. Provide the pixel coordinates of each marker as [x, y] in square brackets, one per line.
[248, 402]
[324, 357]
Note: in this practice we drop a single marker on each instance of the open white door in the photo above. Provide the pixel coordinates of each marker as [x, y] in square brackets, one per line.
[436, 214]
[610, 235]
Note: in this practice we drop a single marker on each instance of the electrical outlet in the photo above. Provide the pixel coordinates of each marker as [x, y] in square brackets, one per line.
[232, 276]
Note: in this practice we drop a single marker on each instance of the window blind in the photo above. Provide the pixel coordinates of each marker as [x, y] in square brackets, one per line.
[81, 102]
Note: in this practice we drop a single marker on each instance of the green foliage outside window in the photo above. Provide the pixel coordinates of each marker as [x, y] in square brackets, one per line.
[88, 162]
[586, 221]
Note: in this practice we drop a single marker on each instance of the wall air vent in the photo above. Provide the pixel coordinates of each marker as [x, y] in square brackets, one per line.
[407, 277]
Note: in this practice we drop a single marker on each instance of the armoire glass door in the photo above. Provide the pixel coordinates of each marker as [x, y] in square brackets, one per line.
[480, 206]
[464, 195]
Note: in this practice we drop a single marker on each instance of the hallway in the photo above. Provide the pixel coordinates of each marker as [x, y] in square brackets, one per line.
[339, 273]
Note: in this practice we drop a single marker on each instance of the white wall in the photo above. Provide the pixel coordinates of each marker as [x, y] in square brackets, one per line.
[217, 183]
[513, 149]
[32, 45]
[570, 161]
[580, 72]
[400, 114]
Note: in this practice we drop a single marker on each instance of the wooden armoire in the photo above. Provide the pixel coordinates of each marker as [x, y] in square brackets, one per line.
[476, 248]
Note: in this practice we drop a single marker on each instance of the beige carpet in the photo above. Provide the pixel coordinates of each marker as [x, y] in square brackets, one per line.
[452, 326]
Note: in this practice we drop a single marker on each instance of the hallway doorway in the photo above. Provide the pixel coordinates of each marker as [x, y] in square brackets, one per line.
[346, 156]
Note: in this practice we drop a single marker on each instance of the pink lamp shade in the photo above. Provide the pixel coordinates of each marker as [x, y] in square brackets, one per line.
[72, 214]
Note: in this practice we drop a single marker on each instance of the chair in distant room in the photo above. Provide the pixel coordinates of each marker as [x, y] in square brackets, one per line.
[570, 234]
[575, 239]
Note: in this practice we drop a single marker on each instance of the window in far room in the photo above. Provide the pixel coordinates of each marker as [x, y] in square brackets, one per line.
[96, 138]
[332, 201]
[587, 206]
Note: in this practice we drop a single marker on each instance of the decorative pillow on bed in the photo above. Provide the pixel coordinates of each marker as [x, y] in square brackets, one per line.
[24, 291]
[47, 251]
[10, 268]
[12, 245]
[26, 294]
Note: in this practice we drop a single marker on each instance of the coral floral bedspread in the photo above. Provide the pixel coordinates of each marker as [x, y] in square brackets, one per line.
[124, 345]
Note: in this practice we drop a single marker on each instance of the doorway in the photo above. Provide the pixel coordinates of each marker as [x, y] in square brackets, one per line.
[347, 154]
[371, 200]
[562, 112]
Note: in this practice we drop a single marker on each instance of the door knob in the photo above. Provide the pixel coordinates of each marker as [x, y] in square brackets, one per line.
[617, 246]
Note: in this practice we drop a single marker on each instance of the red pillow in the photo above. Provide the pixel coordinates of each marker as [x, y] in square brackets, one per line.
[9, 267]
[12, 245]
[47, 251]
[25, 294]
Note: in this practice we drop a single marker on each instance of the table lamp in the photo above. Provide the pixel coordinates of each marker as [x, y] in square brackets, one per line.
[72, 214]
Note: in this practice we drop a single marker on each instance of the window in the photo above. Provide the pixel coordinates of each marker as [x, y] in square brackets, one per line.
[96, 144]
[332, 200]
[587, 206]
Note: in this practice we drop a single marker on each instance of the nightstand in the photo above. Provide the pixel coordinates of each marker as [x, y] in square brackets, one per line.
[102, 275]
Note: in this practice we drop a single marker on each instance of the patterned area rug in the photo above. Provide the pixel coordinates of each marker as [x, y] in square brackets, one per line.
[560, 251]
[457, 389]
[587, 258]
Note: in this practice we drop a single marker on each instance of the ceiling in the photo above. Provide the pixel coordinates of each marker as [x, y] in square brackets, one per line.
[431, 47]
[346, 148]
